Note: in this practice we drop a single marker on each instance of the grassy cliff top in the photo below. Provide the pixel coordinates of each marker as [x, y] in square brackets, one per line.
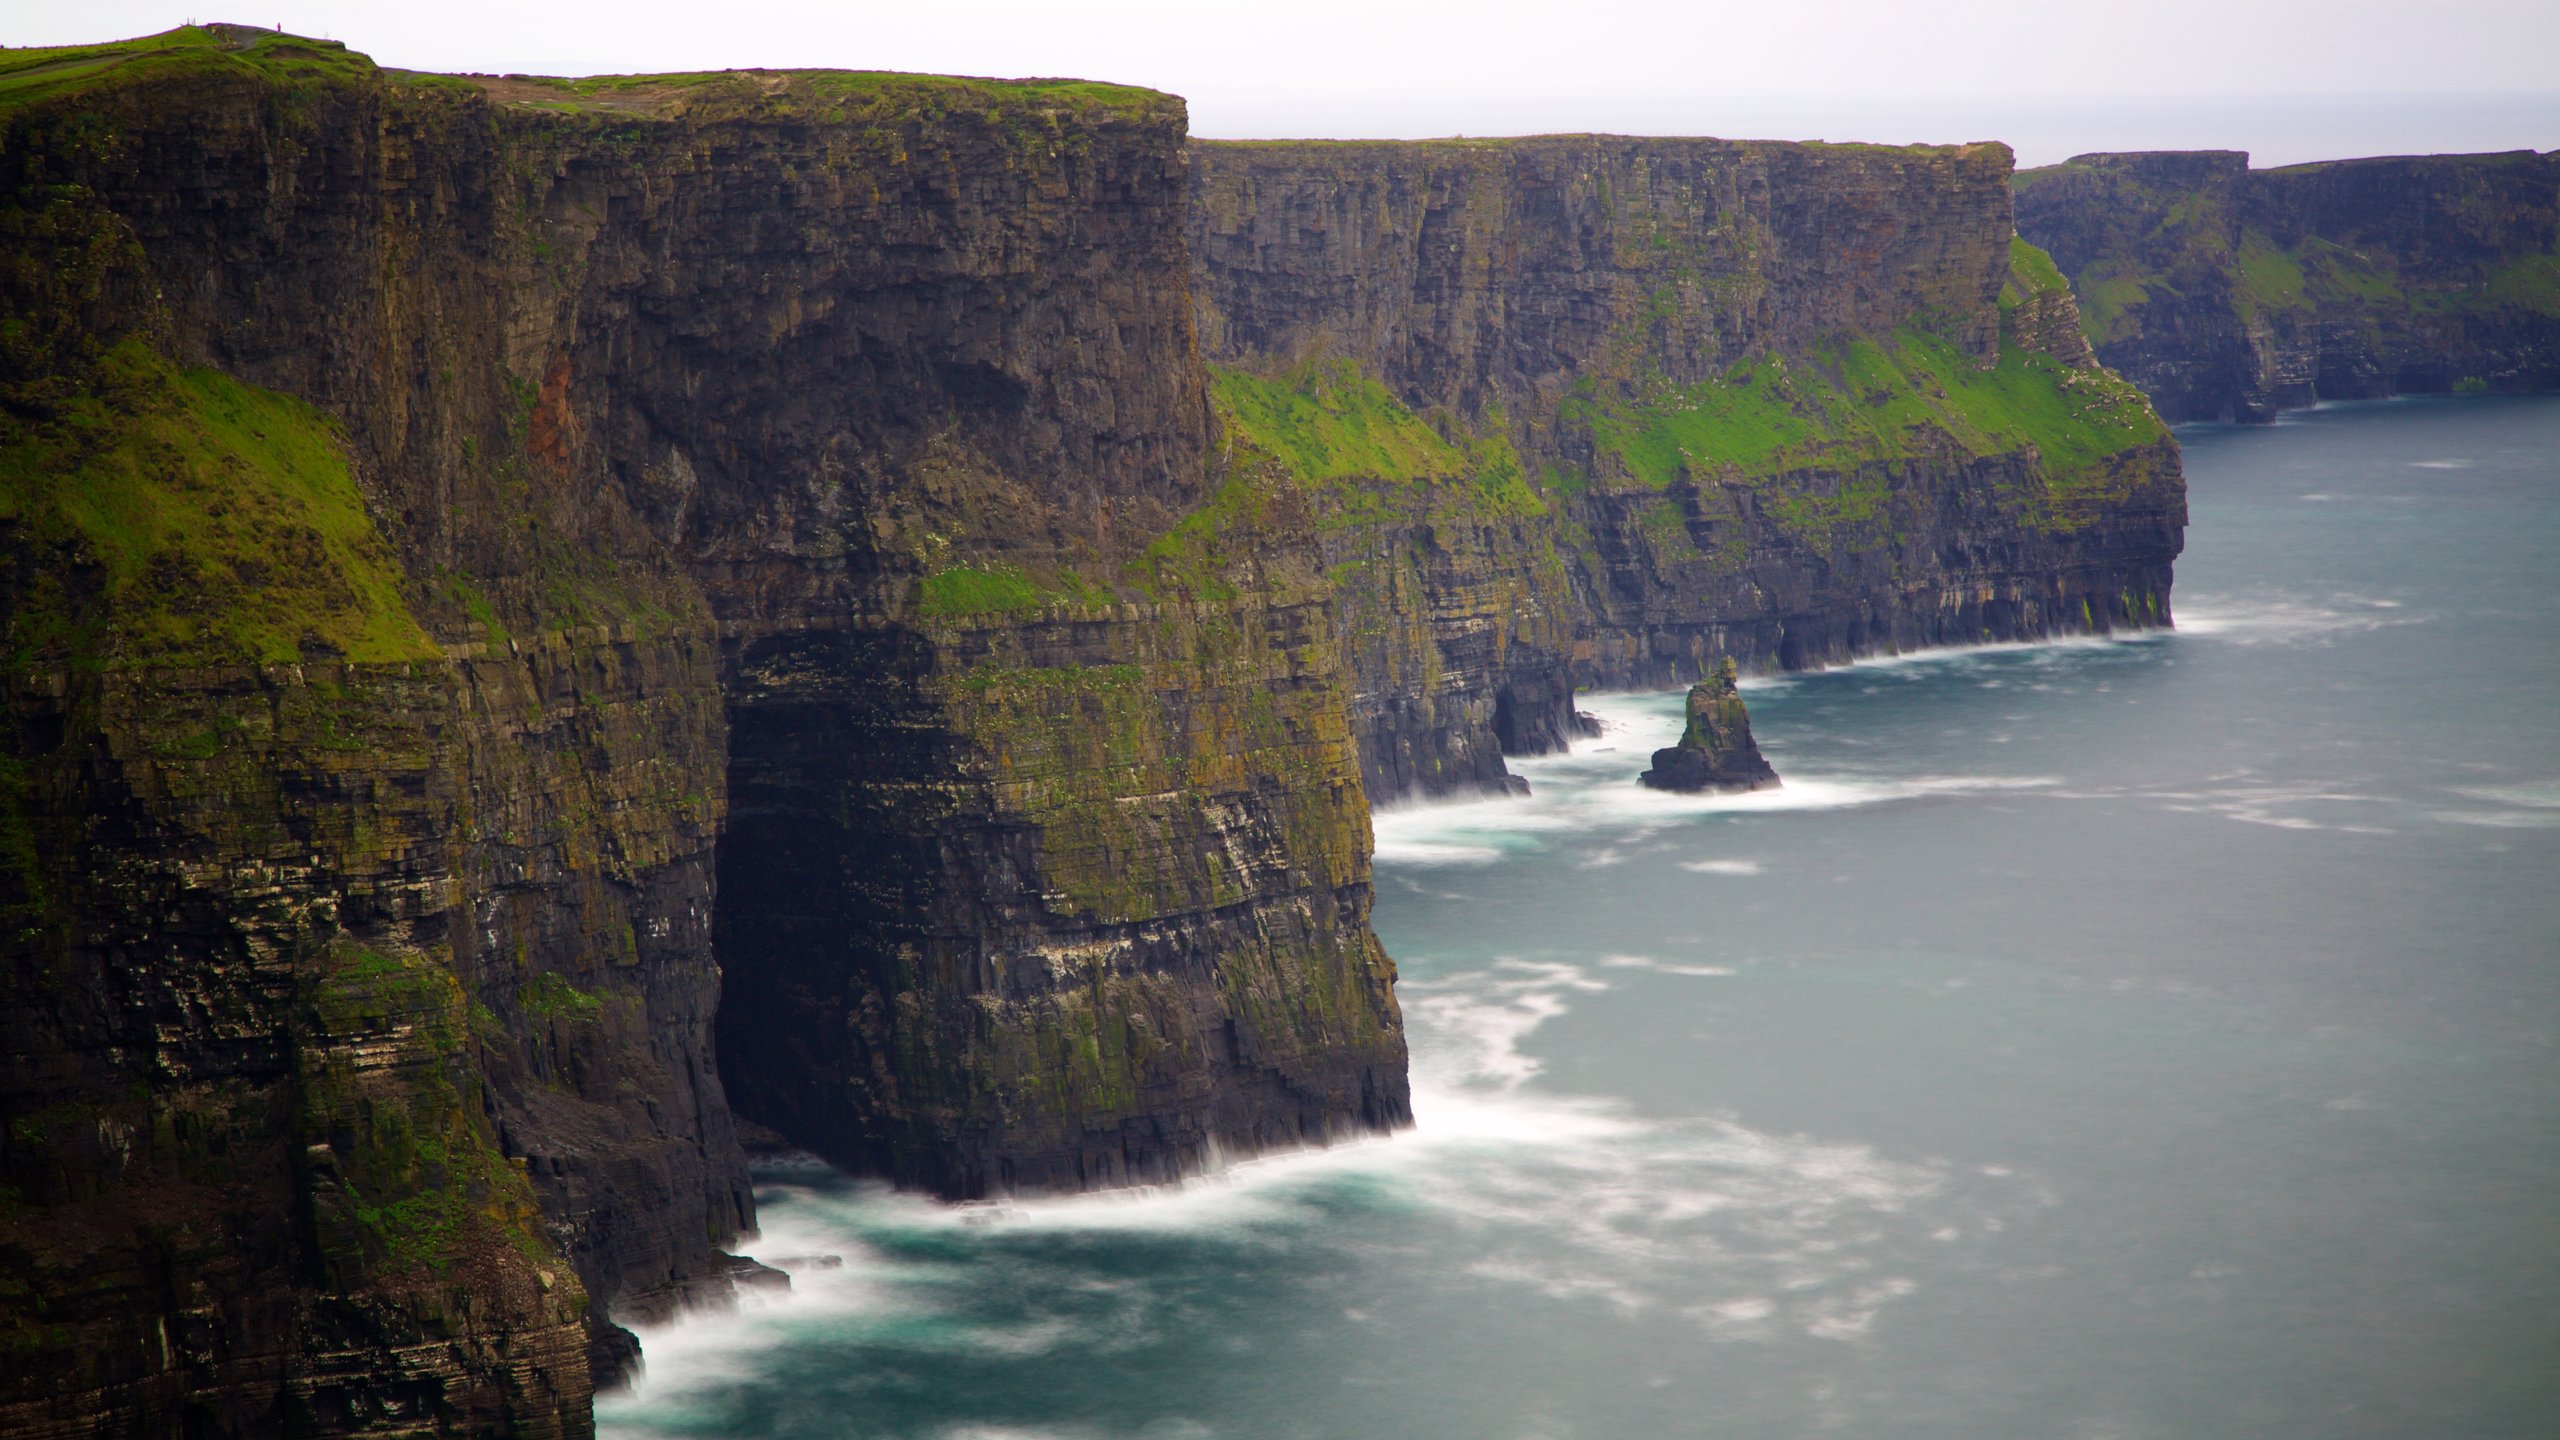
[2119, 161]
[817, 92]
[30, 76]
[1459, 144]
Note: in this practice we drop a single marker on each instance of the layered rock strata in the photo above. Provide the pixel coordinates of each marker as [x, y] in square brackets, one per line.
[2228, 293]
[1590, 411]
[539, 610]
[1716, 751]
[427, 503]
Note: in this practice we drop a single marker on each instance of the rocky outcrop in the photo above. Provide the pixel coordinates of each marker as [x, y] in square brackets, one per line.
[2228, 293]
[1716, 751]
[1593, 411]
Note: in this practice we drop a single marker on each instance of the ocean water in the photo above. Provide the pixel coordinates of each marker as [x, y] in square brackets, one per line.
[2102, 1040]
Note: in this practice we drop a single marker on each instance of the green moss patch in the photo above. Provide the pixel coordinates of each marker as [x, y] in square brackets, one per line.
[1863, 400]
[1344, 435]
[2271, 277]
[2107, 304]
[1327, 421]
[180, 517]
[2530, 282]
[2031, 273]
[414, 1183]
[550, 997]
[997, 589]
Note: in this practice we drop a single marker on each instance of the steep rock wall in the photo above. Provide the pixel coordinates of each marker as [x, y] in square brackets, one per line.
[2229, 293]
[1788, 403]
[907, 380]
[365, 776]
[495, 563]
[836, 442]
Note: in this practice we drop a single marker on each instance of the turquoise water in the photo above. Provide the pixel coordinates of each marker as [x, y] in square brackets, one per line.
[2102, 1040]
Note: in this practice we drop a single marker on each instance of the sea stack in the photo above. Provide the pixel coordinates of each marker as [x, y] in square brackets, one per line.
[1716, 751]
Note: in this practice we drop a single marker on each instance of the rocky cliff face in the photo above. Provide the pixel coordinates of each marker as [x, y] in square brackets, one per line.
[540, 610]
[1609, 408]
[2229, 293]
[364, 773]
[427, 504]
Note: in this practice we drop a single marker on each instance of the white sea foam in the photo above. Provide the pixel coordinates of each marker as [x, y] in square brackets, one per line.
[2055, 646]
[2535, 795]
[1649, 1210]
[1580, 1201]
[2440, 464]
[1721, 867]
[2241, 795]
[2525, 819]
[1666, 967]
[2289, 620]
[1403, 850]
[1589, 795]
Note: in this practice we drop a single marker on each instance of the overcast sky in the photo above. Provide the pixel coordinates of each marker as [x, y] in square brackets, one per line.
[2286, 79]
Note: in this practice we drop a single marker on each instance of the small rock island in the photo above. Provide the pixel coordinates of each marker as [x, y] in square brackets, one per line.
[1716, 752]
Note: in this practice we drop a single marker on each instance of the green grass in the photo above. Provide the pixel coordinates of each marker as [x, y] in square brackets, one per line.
[2530, 282]
[549, 997]
[2031, 272]
[1347, 438]
[1865, 400]
[31, 76]
[863, 85]
[189, 519]
[958, 592]
[2333, 274]
[1326, 421]
[1196, 556]
[2271, 278]
[2104, 303]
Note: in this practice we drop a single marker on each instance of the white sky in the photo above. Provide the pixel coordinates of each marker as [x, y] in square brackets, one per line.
[2286, 79]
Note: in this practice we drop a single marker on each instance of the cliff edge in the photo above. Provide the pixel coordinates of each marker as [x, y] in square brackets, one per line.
[540, 611]
[500, 569]
[1595, 411]
[2228, 293]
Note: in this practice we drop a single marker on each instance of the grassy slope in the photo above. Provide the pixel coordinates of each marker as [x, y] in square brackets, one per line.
[179, 517]
[1862, 399]
[1769, 423]
[28, 76]
[1364, 452]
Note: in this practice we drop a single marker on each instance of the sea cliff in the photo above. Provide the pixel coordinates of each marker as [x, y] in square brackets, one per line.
[2228, 293]
[547, 615]
[1589, 410]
